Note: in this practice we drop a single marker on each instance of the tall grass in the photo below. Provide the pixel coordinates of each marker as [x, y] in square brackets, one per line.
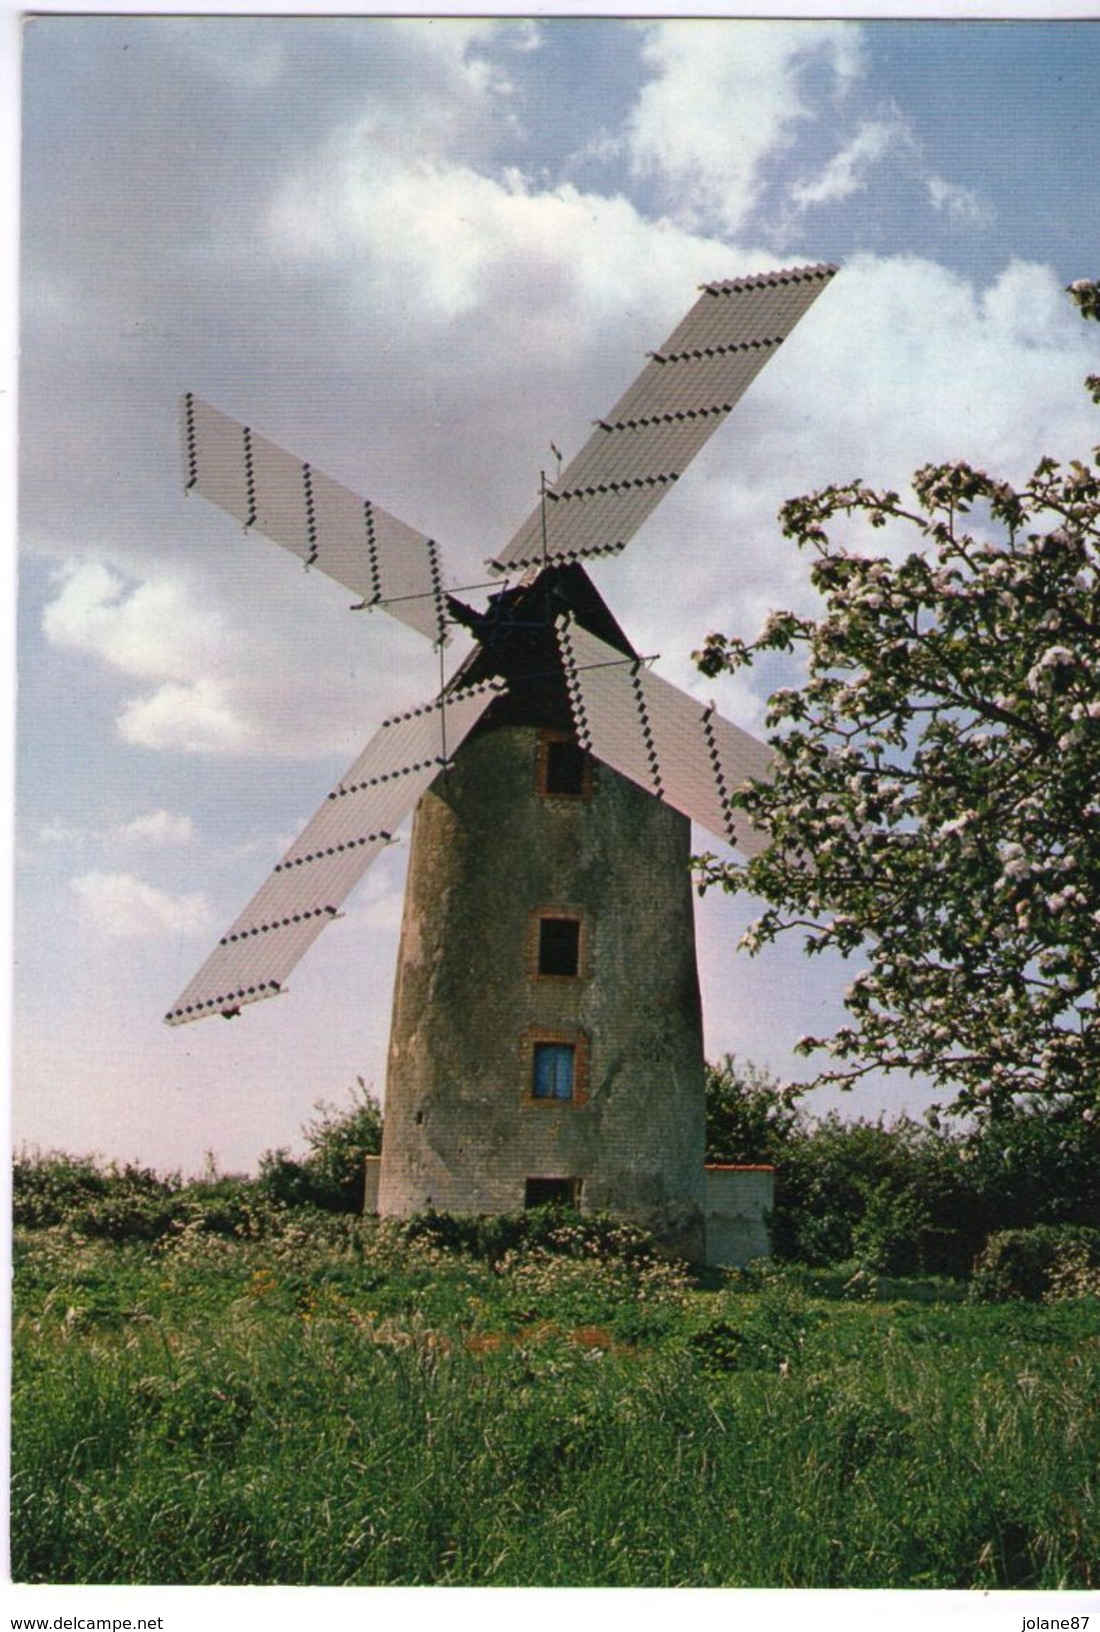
[337, 1406]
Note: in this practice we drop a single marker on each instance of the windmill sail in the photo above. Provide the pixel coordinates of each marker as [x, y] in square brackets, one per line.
[328, 526]
[307, 888]
[640, 449]
[660, 737]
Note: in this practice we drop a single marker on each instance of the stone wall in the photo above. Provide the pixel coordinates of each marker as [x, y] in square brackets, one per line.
[738, 1201]
[372, 1171]
[490, 855]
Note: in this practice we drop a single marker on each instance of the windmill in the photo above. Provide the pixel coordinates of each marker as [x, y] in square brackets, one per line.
[546, 1041]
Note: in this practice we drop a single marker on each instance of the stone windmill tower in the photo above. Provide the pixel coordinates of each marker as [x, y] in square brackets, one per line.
[546, 1040]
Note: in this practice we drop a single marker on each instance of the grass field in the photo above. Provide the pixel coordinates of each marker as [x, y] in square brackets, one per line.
[330, 1404]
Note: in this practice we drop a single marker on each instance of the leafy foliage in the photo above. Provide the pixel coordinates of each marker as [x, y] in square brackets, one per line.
[1085, 292]
[332, 1174]
[771, 1334]
[117, 1201]
[934, 805]
[904, 1197]
[51, 1187]
[751, 1118]
[889, 1199]
[493, 1237]
[1047, 1260]
[872, 1195]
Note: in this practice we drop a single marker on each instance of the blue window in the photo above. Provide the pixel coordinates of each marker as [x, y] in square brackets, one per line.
[554, 1071]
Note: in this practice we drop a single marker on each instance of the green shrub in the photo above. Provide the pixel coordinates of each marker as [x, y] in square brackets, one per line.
[891, 1238]
[1037, 1167]
[123, 1202]
[114, 1200]
[903, 1197]
[717, 1347]
[292, 1183]
[751, 1118]
[909, 1198]
[234, 1207]
[332, 1175]
[553, 1230]
[825, 1182]
[1033, 1263]
[770, 1332]
[340, 1140]
[1075, 1273]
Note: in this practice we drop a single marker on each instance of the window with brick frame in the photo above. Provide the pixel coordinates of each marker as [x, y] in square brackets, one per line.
[555, 1066]
[563, 769]
[558, 945]
[551, 1192]
[553, 1072]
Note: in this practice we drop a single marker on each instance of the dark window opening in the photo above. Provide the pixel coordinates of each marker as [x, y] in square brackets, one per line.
[554, 1071]
[552, 1193]
[559, 946]
[566, 766]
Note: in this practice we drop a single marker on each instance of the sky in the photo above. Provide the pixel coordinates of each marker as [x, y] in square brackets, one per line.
[415, 252]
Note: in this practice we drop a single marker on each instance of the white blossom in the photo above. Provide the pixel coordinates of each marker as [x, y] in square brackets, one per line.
[1055, 657]
[958, 823]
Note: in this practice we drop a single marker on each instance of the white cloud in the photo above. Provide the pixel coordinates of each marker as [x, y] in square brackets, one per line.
[160, 827]
[558, 279]
[195, 717]
[462, 46]
[461, 239]
[723, 101]
[213, 688]
[234, 55]
[959, 202]
[124, 907]
[63, 833]
[1026, 309]
[847, 171]
[151, 630]
[906, 363]
[890, 135]
[452, 55]
[899, 363]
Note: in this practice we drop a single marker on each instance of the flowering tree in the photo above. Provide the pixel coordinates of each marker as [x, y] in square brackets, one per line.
[935, 805]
